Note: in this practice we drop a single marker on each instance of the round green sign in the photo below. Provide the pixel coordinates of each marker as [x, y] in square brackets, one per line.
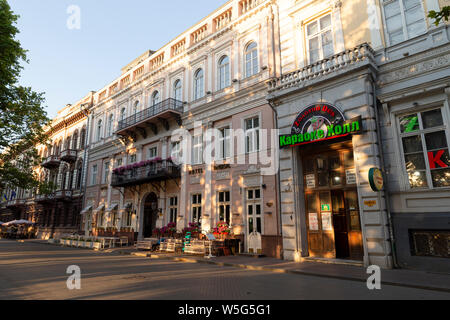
[376, 179]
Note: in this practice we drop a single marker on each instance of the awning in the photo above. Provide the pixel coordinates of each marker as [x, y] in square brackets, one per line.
[18, 222]
[86, 210]
[113, 208]
[100, 208]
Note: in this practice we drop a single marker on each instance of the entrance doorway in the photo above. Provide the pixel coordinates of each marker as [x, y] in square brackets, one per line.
[150, 214]
[331, 199]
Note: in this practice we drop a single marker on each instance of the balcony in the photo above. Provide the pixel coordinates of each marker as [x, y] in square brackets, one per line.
[15, 203]
[142, 173]
[51, 162]
[63, 195]
[45, 198]
[160, 113]
[69, 156]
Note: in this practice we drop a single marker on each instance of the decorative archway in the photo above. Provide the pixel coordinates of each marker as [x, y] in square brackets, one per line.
[150, 214]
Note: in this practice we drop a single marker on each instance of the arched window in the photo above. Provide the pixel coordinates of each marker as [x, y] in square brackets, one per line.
[79, 175]
[156, 98]
[110, 125]
[199, 84]
[178, 90]
[136, 107]
[224, 72]
[75, 140]
[99, 129]
[123, 114]
[83, 138]
[68, 141]
[251, 60]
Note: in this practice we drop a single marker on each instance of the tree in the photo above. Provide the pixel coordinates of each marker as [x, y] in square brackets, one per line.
[22, 117]
[439, 16]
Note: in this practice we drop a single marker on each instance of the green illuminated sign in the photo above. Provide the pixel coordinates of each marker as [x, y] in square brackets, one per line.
[331, 132]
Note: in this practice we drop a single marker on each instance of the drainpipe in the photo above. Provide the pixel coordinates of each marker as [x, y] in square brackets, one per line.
[85, 160]
[278, 178]
[383, 168]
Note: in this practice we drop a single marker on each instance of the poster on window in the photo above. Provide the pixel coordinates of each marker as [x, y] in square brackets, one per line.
[313, 222]
[327, 224]
[310, 181]
[351, 176]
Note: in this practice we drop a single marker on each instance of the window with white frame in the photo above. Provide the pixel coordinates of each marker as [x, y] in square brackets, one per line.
[156, 98]
[254, 211]
[404, 19]
[119, 163]
[199, 83]
[224, 73]
[152, 153]
[424, 138]
[123, 114]
[251, 60]
[94, 175]
[196, 208]
[197, 149]
[178, 90]
[173, 209]
[319, 39]
[176, 152]
[223, 147]
[252, 135]
[224, 206]
[106, 173]
[99, 129]
[133, 158]
[110, 125]
[136, 107]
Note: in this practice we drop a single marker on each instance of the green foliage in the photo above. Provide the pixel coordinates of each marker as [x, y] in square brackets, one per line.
[22, 117]
[439, 16]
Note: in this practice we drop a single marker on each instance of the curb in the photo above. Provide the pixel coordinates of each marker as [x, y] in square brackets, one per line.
[280, 270]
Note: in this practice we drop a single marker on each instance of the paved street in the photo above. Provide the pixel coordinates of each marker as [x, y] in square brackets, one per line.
[38, 271]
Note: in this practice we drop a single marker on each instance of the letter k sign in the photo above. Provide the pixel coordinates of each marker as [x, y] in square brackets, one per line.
[436, 159]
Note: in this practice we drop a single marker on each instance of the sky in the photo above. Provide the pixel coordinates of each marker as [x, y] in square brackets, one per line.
[67, 62]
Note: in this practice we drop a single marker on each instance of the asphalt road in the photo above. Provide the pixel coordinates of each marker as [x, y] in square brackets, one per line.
[38, 272]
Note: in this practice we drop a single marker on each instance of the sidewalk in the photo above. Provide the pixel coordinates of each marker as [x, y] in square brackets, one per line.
[398, 277]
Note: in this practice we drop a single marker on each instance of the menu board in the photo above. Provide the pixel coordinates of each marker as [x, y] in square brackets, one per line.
[313, 222]
[310, 181]
[351, 176]
[327, 224]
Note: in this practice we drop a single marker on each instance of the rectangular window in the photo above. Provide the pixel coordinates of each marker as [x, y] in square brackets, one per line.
[224, 206]
[197, 149]
[133, 158]
[106, 173]
[119, 163]
[173, 209]
[176, 152]
[224, 143]
[404, 19]
[425, 149]
[196, 208]
[94, 175]
[152, 153]
[319, 39]
[252, 135]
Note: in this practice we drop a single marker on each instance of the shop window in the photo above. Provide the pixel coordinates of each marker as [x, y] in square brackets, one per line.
[196, 208]
[173, 209]
[430, 243]
[224, 206]
[424, 140]
[319, 39]
[404, 19]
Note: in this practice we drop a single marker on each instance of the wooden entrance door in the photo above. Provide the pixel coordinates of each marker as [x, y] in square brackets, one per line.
[332, 212]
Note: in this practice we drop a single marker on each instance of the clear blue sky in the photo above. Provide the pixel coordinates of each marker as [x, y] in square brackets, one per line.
[67, 64]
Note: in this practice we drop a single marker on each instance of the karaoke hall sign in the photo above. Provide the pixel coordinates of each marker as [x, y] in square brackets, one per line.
[320, 122]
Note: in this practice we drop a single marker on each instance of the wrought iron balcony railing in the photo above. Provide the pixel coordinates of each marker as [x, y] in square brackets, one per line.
[51, 162]
[69, 155]
[143, 173]
[162, 110]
